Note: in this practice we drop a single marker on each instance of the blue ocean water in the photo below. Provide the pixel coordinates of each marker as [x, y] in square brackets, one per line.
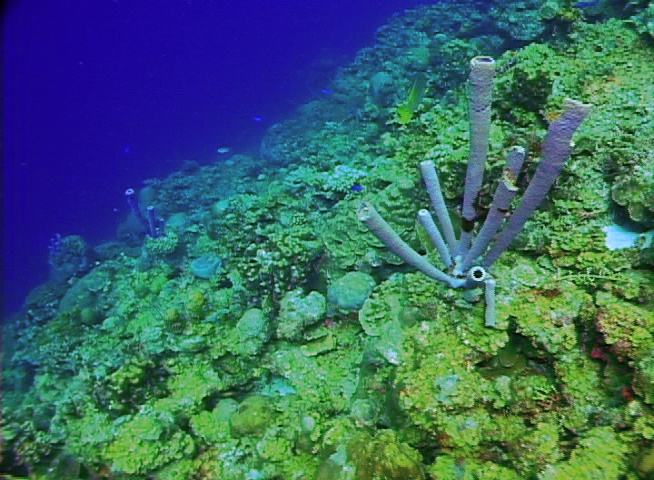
[102, 95]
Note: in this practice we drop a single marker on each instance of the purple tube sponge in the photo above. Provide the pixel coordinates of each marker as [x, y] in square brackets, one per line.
[427, 222]
[460, 257]
[433, 185]
[482, 72]
[155, 224]
[555, 153]
[384, 232]
[506, 191]
[133, 202]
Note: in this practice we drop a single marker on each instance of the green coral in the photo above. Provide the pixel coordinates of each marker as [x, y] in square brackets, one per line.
[251, 332]
[644, 21]
[350, 291]
[252, 417]
[383, 456]
[213, 427]
[448, 467]
[160, 247]
[145, 443]
[538, 449]
[599, 455]
[297, 312]
[634, 190]
[644, 378]
[548, 320]
[626, 327]
[520, 20]
[522, 95]
[192, 384]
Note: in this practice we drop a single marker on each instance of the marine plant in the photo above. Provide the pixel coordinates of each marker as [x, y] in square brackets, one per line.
[461, 256]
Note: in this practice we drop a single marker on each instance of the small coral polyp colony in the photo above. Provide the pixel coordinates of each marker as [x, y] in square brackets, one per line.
[265, 332]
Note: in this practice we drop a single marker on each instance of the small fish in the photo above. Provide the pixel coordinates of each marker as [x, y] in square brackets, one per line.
[222, 150]
[326, 91]
[357, 188]
[257, 119]
[509, 178]
[586, 4]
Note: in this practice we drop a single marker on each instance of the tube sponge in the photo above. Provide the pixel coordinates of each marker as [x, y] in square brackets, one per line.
[368, 215]
[556, 152]
[433, 185]
[504, 194]
[482, 72]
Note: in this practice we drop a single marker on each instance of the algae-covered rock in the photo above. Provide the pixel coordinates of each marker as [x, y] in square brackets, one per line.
[389, 342]
[645, 378]
[450, 467]
[206, 266]
[626, 327]
[367, 457]
[384, 456]
[335, 467]
[69, 256]
[318, 346]
[252, 418]
[160, 247]
[644, 21]
[633, 189]
[85, 294]
[251, 332]
[349, 292]
[147, 442]
[213, 427]
[378, 309]
[600, 454]
[298, 312]
[644, 463]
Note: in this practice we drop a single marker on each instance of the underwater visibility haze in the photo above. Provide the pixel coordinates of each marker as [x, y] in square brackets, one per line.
[371, 240]
[102, 95]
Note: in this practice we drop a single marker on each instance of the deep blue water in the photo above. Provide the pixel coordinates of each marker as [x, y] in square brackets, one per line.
[102, 94]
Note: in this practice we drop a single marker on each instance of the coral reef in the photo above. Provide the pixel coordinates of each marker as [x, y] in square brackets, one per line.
[268, 334]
